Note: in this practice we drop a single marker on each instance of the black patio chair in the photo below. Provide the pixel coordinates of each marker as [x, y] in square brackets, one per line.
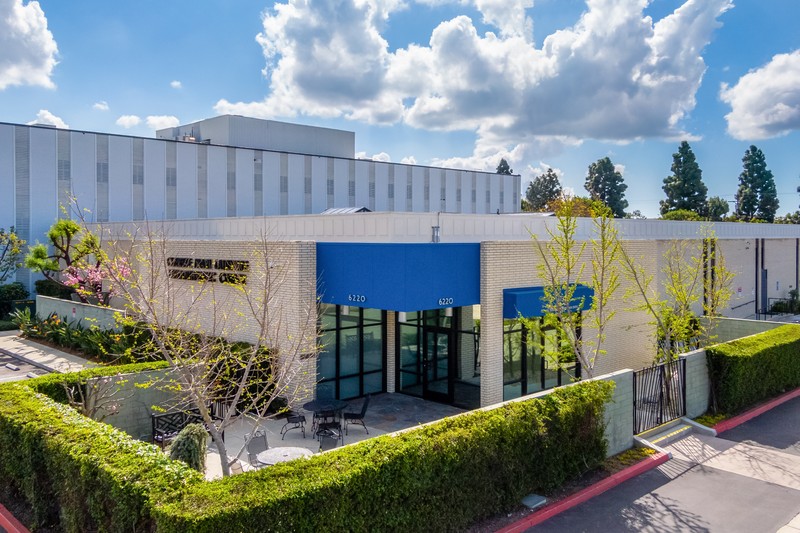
[328, 442]
[294, 421]
[255, 446]
[357, 418]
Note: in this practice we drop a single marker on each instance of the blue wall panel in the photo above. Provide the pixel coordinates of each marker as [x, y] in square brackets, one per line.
[527, 301]
[399, 276]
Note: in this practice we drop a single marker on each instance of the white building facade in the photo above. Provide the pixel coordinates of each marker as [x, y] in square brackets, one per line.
[228, 166]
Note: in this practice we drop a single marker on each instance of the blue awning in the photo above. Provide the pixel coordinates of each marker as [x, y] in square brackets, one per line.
[398, 276]
[527, 301]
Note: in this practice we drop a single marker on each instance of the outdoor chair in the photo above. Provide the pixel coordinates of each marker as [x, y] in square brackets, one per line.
[255, 446]
[328, 442]
[357, 418]
[294, 421]
[322, 417]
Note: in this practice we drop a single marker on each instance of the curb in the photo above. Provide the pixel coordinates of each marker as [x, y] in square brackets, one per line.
[9, 523]
[598, 488]
[731, 423]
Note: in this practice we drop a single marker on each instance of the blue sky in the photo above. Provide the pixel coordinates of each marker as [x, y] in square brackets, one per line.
[460, 83]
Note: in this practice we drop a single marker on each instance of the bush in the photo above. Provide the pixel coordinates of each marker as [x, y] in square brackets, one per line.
[440, 477]
[190, 447]
[746, 371]
[82, 475]
[77, 474]
[46, 287]
[7, 325]
[8, 293]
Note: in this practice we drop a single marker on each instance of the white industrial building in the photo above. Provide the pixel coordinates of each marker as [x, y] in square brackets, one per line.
[226, 166]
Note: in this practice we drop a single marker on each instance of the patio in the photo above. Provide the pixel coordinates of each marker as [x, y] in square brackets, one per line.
[387, 413]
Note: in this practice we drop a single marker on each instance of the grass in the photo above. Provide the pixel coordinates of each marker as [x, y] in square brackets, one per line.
[709, 419]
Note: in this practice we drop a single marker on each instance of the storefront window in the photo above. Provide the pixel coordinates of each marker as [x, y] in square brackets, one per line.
[351, 361]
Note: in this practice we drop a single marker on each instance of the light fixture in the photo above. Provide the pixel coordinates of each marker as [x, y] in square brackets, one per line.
[345, 309]
[401, 316]
[448, 311]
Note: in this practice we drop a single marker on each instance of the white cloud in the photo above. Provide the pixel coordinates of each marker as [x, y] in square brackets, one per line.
[128, 121]
[614, 75]
[46, 117]
[619, 167]
[175, 84]
[159, 122]
[27, 48]
[409, 160]
[100, 106]
[765, 102]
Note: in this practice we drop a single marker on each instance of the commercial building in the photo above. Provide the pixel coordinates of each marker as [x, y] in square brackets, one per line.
[227, 166]
[420, 296]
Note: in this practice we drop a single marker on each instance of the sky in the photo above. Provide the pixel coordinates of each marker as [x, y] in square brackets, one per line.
[456, 83]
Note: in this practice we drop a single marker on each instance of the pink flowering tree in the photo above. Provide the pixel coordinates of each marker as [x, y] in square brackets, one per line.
[74, 259]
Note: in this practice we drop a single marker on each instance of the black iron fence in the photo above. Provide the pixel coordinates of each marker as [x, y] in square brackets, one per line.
[659, 394]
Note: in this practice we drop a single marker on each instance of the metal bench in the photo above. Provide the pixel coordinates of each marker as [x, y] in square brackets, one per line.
[166, 426]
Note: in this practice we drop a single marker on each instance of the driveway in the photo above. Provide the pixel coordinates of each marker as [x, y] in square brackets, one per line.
[747, 480]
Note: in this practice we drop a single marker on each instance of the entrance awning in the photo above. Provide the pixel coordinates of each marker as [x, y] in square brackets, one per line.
[528, 301]
[399, 276]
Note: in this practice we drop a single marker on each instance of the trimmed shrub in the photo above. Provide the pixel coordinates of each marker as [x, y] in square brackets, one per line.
[440, 477]
[190, 447]
[46, 287]
[79, 474]
[82, 475]
[746, 371]
[7, 325]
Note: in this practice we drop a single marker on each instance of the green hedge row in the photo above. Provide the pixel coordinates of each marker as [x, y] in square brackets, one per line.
[87, 476]
[440, 477]
[746, 371]
[77, 473]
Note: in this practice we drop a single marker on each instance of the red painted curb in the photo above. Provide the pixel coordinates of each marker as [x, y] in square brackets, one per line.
[731, 423]
[9, 522]
[598, 488]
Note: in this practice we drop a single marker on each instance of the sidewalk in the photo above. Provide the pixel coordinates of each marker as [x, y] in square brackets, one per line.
[41, 355]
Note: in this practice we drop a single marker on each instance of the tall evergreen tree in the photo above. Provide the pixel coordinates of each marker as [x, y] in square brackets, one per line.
[605, 184]
[503, 168]
[756, 197]
[543, 191]
[716, 208]
[684, 188]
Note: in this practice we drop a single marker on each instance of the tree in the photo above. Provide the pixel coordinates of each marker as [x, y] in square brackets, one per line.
[562, 267]
[10, 252]
[716, 208]
[75, 262]
[605, 184]
[503, 168]
[684, 188]
[635, 215]
[681, 214]
[693, 271]
[756, 197]
[186, 305]
[579, 206]
[789, 218]
[543, 191]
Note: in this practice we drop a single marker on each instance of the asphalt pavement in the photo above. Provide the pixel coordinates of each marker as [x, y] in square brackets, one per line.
[746, 480]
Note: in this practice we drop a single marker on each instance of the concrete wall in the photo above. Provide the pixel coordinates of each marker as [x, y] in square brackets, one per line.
[728, 329]
[135, 402]
[698, 386]
[86, 315]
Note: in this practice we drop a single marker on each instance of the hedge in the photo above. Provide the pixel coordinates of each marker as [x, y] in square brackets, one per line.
[444, 476]
[748, 370]
[80, 474]
[441, 477]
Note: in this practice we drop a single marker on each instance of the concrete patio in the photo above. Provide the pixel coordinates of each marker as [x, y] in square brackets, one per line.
[387, 413]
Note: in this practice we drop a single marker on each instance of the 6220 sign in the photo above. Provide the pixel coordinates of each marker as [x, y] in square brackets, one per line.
[356, 298]
[445, 301]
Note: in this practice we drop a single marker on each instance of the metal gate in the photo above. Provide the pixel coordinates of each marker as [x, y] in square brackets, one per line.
[659, 395]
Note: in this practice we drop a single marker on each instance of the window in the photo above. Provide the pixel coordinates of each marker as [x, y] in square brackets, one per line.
[213, 270]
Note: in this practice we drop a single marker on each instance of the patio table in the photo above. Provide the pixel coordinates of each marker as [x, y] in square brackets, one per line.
[320, 405]
[282, 454]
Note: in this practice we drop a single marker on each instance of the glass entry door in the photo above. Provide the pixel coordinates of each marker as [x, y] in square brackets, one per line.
[436, 362]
